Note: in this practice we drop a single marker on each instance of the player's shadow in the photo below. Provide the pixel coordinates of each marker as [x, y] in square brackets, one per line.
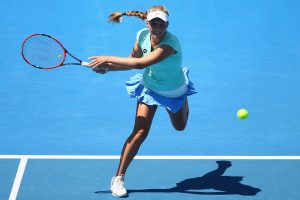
[214, 180]
[223, 185]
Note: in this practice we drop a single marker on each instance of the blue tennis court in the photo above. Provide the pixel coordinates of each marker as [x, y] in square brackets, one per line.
[62, 130]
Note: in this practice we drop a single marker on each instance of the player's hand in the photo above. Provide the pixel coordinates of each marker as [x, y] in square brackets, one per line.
[97, 61]
[101, 69]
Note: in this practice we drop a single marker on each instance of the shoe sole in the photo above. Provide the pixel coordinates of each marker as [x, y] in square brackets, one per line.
[125, 195]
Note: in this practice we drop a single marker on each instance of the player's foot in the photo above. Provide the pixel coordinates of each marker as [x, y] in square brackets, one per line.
[117, 186]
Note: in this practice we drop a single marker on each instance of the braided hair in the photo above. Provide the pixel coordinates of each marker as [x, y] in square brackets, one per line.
[116, 17]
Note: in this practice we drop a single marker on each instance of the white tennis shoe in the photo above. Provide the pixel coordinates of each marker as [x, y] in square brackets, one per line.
[117, 186]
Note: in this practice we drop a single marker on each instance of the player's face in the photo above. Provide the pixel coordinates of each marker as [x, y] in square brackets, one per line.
[157, 27]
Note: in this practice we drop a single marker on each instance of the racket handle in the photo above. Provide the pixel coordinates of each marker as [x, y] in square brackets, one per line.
[84, 63]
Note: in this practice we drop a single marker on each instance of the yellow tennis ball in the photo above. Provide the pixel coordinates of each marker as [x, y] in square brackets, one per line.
[242, 113]
[59, 56]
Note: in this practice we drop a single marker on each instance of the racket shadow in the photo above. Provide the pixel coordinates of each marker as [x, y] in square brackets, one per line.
[214, 180]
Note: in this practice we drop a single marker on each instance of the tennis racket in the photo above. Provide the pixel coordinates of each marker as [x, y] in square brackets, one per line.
[43, 51]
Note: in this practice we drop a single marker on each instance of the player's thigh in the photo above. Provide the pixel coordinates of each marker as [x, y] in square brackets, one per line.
[144, 116]
[179, 119]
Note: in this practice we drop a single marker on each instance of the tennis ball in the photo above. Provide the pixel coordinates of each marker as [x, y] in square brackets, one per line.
[59, 56]
[242, 113]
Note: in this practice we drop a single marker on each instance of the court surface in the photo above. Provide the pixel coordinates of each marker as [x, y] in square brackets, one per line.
[61, 131]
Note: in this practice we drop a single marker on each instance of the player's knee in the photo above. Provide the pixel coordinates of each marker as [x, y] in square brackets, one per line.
[140, 135]
[180, 127]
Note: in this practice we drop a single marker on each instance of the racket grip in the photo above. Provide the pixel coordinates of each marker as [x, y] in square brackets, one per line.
[84, 63]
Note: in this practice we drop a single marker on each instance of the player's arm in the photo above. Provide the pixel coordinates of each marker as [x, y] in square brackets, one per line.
[135, 53]
[123, 63]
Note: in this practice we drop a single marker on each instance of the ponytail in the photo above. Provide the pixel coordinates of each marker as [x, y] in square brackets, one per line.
[116, 17]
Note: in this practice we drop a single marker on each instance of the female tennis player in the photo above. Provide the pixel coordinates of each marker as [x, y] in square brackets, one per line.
[164, 82]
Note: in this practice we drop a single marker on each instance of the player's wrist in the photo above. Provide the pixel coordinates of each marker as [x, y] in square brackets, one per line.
[109, 59]
[107, 67]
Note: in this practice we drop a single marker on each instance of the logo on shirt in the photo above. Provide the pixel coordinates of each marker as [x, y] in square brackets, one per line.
[144, 50]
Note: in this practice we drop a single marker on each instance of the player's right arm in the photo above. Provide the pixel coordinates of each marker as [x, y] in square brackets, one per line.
[136, 51]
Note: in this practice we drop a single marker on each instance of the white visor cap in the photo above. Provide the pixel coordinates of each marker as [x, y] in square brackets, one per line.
[157, 14]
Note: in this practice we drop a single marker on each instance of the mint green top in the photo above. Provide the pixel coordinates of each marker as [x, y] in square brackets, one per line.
[167, 74]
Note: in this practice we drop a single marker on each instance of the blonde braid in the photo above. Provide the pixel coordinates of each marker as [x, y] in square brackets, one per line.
[116, 17]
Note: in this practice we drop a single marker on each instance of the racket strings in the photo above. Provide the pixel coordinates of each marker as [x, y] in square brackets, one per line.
[43, 51]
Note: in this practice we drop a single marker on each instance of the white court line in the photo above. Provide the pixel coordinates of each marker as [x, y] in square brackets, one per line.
[100, 157]
[18, 179]
[24, 159]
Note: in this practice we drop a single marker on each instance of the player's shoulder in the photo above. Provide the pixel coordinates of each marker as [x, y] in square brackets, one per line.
[142, 33]
[171, 37]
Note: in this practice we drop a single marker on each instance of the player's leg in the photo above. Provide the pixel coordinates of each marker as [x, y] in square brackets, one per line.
[143, 120]
[180, 118]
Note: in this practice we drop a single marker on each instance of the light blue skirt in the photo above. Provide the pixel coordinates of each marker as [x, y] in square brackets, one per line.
[136, 90]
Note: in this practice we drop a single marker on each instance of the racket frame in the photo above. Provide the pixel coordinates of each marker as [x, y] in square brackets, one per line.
[80, 62]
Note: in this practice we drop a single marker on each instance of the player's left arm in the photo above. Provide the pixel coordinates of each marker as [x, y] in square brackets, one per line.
[123, 63]
[135, 53]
